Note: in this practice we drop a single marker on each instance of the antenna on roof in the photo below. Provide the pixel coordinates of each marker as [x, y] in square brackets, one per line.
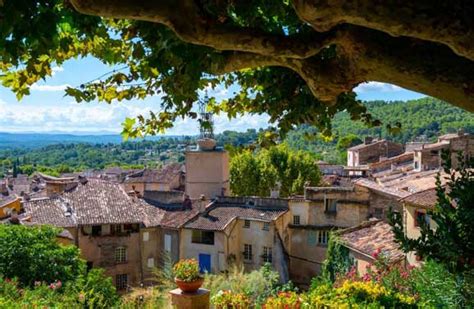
[206, 121]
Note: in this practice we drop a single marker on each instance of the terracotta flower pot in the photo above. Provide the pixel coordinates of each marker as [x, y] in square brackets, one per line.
[189, 287]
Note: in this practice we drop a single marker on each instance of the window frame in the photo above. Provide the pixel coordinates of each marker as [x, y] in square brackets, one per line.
[267, 255]
[266, 226]
[200, 239]
[248, 253]
[296, 220]
[416, 220]
[330, 205]
[121, 282]
[323, 237]
[246, 224]
[120, 255]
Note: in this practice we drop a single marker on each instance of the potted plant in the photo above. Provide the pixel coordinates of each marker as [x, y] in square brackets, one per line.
[187, 276]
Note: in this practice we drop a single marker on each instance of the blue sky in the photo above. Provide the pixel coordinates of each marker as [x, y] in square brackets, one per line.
[47, 110]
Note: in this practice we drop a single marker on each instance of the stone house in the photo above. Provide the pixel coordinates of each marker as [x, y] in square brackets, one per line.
[429, 155]
[113, 230]
[415, 208]
[207, 172]
[9, 201]
[168, 178]
[365, 239]
[372, 150]
[311, 219]
[239, 231]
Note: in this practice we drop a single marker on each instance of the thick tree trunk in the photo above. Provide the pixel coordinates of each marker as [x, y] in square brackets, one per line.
[425, 46]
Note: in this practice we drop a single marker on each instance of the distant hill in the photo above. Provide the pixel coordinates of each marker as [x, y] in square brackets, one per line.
[422, 119]
[37, 140]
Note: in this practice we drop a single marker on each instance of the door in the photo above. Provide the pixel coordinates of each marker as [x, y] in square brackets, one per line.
[204, 262]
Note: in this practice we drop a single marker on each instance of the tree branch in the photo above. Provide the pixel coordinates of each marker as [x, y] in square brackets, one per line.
[182, 16]
[450, 23]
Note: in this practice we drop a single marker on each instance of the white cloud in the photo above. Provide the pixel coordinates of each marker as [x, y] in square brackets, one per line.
[377, 87]
[99, 117]
[56, 70]
[36, 87]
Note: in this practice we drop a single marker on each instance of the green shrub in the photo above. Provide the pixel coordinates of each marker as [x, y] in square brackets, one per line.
[32, 254]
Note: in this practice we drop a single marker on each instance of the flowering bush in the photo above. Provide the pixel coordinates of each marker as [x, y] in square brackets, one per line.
[283, 300]
[229, 300]
[186, 270]
[357, 294]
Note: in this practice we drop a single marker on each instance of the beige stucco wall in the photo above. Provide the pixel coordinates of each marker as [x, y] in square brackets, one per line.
[229, 245]
[188, 249]
[361, 261]
[306, 258]
[411, 230]
[151, 248]
[207, 172]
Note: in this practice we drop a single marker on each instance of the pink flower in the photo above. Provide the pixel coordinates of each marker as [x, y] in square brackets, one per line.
[376, 253]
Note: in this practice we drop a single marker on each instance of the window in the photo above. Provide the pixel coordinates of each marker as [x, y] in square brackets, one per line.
[120, 255]
[150, 263]
[378, 213]
[89, 265]
[202, 237]
[121, 281]
[420, 216]
[146, 236]
[312, 238]
[266, 226]
[296, 220]
[116, 229]
[330, 205]
[323, 237]
[167, 243]
[247, 224]
[267, 254]
[247, 252]
[96, 230]
[131, 228]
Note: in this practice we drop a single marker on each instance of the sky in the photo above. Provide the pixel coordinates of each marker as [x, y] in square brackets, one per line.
[47, 110]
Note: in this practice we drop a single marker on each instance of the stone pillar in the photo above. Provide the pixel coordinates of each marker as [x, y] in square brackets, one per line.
[196, 300]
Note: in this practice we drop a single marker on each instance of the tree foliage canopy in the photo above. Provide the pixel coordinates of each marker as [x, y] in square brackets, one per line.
[452, 240]
[275, 168]
[295, 60]
[33, 254]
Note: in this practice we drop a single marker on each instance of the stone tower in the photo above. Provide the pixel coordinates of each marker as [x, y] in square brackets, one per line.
[207, 166]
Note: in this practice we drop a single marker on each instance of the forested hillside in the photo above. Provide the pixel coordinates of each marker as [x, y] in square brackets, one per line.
[420, 119]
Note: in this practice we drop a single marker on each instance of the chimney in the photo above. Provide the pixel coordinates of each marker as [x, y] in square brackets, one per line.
[82, 179]
[368, 140]
[3, 189]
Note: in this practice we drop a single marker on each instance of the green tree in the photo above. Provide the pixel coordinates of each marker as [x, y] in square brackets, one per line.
[33, 254]
[279, 166]
[296, 61]
[452, 242]
[346, 142]
[244, 174]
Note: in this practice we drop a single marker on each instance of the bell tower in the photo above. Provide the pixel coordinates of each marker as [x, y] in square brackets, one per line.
[207, 166]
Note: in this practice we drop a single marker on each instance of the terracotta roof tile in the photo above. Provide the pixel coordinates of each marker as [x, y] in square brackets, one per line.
[220, 215]
[426, 198]
[164, 175]
[370, 236]
[95, 202]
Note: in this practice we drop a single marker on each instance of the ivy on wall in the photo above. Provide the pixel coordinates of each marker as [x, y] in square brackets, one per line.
[337, 258]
